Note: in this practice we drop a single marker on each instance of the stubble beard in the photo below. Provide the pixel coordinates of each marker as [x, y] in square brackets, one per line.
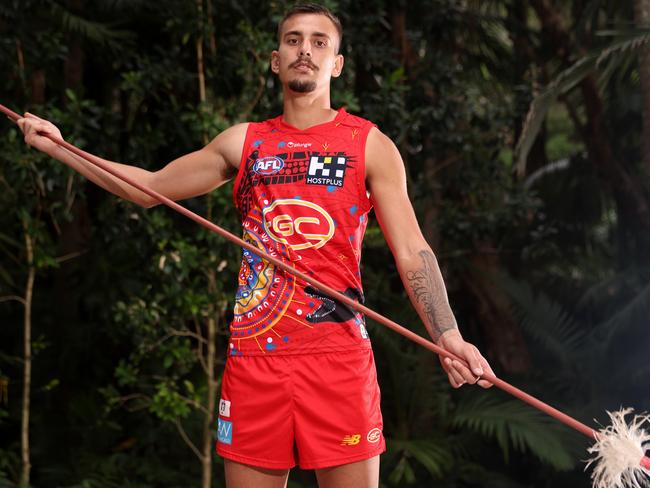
[302, 86]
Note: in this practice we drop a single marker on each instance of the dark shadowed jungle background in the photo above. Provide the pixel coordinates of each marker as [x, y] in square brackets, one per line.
[539, 217]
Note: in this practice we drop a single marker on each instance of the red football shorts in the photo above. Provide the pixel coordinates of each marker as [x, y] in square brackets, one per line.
[316, 410]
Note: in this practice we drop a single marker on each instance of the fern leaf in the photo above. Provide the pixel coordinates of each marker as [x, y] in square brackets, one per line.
[545, 321]
[433, 455]
[515, 425]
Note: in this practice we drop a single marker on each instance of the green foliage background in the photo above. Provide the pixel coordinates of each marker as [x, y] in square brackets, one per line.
[547, 266]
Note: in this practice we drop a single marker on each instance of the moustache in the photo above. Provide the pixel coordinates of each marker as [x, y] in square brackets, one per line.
[306, 61]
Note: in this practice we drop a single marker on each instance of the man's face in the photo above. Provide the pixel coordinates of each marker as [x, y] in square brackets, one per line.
[306, 58]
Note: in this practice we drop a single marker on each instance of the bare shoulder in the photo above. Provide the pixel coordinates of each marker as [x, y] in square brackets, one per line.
[229, 144]
[383, 159]
[386, 180]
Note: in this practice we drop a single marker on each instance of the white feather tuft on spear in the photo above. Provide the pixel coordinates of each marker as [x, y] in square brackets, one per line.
[619, 453]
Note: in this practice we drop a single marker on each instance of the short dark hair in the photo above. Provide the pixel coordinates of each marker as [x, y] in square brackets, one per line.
[312, 8]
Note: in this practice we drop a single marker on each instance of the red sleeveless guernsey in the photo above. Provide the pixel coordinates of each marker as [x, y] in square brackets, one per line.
[302, 197]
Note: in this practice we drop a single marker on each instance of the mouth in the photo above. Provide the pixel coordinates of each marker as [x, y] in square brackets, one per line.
[303, 67]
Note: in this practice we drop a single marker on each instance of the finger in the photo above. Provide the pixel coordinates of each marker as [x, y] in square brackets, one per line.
[486, 366]
[485, 384]
[31, 131]
[25, 127]
[463, 372]
[39, 128]
[32, 116]
[453, 382]
[454, 374]
[487, 369]
[473, 358]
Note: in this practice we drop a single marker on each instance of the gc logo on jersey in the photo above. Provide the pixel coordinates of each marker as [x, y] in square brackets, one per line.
[268, 165]
[326, 170]
[298, 223]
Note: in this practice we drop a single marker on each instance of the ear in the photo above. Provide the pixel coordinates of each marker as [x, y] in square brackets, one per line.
[275, 62]
[338, 66]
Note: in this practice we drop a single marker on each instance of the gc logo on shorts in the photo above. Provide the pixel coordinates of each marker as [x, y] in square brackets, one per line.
[374, 435]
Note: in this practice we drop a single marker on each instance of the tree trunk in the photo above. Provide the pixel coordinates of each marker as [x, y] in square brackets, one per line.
[208, 438]
[200, 66]
[74, 61]
[27, 351]
[642, 19]
[521, 70]
[206, 449]
[504, 340]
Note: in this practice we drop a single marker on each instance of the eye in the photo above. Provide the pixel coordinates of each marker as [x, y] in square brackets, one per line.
[321, 43]
[292, 41]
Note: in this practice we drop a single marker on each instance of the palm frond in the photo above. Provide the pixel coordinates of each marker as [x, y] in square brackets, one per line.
[545, 321]
[542, 103]
[515, 425]
[98, 32]
[631, 370]
[610, 57]
[635, 312]
[9, 240]
[433, 455]
[403, 472]
[474, 474]
[129, 5]
[5, 482]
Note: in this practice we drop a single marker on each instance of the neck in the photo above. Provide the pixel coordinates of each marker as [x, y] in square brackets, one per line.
[303, 110]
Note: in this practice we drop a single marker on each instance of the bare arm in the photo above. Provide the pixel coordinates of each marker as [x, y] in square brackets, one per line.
[416, 262]
[193, 174]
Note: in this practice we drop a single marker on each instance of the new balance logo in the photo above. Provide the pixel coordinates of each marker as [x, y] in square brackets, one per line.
[351, 440]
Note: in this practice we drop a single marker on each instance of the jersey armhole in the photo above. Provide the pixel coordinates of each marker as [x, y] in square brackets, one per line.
[361, 181]
[250, 130]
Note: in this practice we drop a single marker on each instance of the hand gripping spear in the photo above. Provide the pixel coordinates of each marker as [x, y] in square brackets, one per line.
[619, 450]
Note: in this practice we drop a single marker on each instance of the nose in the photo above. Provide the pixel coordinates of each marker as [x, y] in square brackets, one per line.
[305, 48]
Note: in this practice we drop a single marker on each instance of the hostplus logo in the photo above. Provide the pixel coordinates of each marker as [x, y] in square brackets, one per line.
[326, 170]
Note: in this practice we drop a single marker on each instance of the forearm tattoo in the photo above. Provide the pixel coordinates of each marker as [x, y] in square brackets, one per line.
[428, 289]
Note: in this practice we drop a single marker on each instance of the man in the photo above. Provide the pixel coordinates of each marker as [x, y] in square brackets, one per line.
[300, 384]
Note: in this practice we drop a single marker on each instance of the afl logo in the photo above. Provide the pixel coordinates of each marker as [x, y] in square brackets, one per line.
[268, 165]
[298, 223]
[374, 435]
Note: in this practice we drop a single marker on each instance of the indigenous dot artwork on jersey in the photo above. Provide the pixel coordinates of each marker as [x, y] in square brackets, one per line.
[302, 198]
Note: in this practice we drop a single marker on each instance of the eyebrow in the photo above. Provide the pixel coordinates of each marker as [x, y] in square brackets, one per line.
[300, 33]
